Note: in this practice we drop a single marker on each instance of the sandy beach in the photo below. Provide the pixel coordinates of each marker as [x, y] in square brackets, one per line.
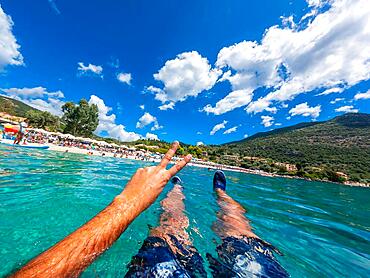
[208, 165]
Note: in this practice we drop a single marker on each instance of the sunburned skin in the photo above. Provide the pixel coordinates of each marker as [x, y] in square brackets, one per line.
[173, 220]
[231, 220]
[73, 254]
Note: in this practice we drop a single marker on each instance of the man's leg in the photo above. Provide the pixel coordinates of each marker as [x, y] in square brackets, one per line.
[168, 251]
[242, 253]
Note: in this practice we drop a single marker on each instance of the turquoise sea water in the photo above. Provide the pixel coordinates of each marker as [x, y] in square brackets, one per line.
[322, 229]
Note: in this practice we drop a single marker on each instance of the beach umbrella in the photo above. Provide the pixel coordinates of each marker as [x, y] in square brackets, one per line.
[89, 140]
[103, 143]
[70, 136]
[11, 128]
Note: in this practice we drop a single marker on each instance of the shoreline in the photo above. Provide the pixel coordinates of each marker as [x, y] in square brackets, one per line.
[209, 165]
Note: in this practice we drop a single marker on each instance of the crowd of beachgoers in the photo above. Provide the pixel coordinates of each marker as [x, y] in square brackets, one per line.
[68, 143]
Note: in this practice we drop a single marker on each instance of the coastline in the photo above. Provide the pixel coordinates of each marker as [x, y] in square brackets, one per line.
[208, 165]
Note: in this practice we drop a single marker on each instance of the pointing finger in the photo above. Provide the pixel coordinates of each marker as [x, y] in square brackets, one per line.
[168, 156]
[179, 165]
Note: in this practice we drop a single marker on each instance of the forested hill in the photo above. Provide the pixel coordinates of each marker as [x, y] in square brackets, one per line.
[341, 144]
[14, 107]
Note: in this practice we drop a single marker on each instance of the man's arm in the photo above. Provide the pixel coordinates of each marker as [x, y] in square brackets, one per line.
[77, 251]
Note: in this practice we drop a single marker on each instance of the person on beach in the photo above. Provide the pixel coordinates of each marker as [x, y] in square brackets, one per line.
[168, 251]
[21, 132]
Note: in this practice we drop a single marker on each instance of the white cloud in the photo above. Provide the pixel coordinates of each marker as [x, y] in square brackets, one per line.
[231, 130]
[32, 92]
[124, 78]
[9, 48]
[167, 106]
[39, 98]
[199, 132]
[257, 106]
[151, 136]
[362, 95]
[306, 111]
[346, 109]
[98, 70]
[148, 119]
[107, 122]
[278, 124]
[200, 143]
[218, 127]
[187, 75]
[233, 100]
[245, 136]
[52, 105]
[142, 107]
[336, 100]
[267, 121]
[154, 90]
[329, 51]
[331, 91]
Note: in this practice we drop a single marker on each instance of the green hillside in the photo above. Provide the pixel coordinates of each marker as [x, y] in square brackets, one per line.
[318, 149]
[14, 107]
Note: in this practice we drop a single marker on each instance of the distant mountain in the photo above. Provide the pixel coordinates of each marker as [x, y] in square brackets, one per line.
[14, 107]
[340, 144]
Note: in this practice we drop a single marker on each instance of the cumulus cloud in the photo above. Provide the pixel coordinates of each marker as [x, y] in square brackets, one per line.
[187, 75]
[142, 107]
[9, 48]
[90, 69]
[231, 130]
[331, 91]
[107, 123]
[167, 106]
[233, 100]
[336, 100]
[200, 143]
[304, 110]
[151, 136]
[362, 95]
[327, 49]
[38, 97]
[148, 119]
[347, 109]
[218, 127]
[31, 92]
[124, 78]
[267, 121]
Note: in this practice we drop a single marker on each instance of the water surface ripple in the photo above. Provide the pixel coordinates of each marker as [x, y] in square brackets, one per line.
[322, 229]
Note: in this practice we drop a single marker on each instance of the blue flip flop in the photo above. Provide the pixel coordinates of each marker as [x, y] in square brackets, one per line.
[219, 180]
[176, 180]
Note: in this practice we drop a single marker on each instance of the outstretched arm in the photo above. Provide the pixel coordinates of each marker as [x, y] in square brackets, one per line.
[69, 257]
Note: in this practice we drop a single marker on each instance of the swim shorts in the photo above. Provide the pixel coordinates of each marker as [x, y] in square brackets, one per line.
[156, 259]
[237, 257]
[245, 257]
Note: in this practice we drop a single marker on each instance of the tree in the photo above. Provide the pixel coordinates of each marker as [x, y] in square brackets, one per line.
[81, 119]
[43, 119]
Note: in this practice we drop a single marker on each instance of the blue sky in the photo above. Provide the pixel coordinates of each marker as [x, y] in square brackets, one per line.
[196, 71]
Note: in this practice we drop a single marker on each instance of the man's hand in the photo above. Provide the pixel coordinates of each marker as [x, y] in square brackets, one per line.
[147, 183]
[70, 256]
